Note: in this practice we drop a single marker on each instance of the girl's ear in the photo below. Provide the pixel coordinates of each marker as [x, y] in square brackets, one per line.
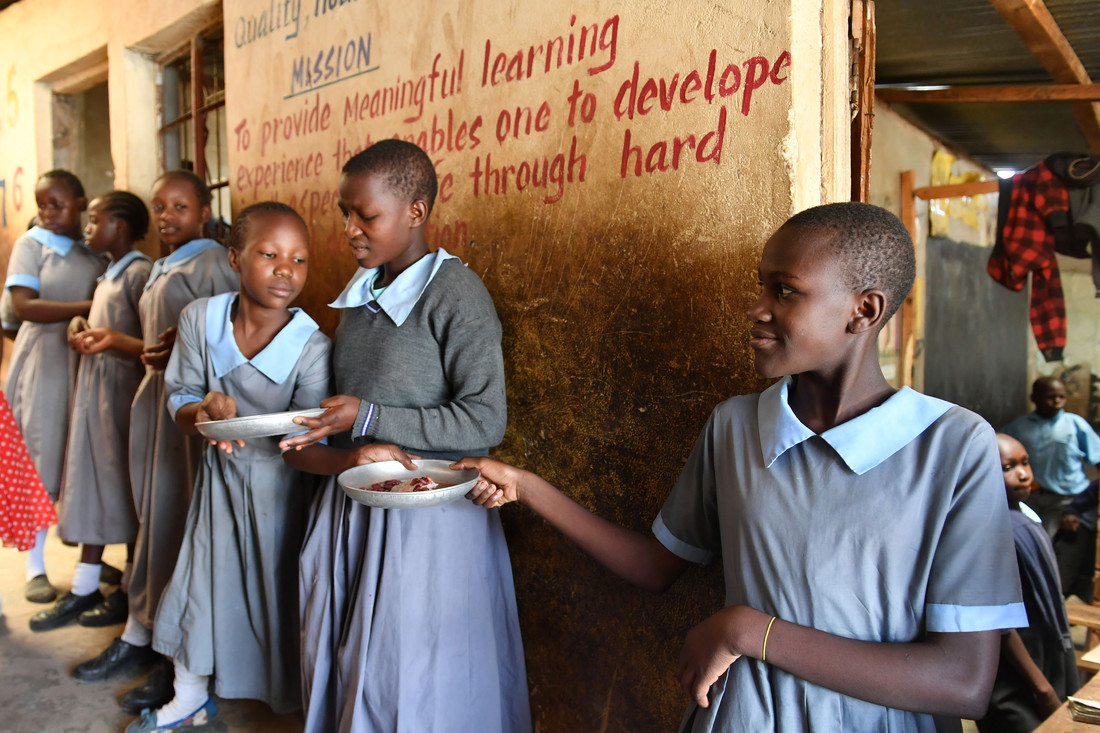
[206, 213]
[870, 309]
[234, 259]
[81, 203]
[418, 213]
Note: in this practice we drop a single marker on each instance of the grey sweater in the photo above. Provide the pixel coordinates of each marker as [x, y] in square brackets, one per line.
[435, 384]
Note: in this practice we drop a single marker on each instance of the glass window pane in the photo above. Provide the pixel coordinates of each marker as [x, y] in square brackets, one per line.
[217, 151]
[213, 64]
[170, 82]
[185, 86]
[179, 147]
[217, 227]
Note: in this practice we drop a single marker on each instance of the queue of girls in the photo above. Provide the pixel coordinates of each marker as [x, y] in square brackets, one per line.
[251, 575]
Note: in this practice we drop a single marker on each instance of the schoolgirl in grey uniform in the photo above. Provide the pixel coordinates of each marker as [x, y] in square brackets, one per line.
[230, 610]
[409, 618]
[97, 506]
[163, 462]
[51, 277]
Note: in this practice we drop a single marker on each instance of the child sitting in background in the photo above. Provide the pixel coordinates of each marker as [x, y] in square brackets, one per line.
[1038, 667]
[836, 619]
[97, 504]
[1057, 442]
[51, 277]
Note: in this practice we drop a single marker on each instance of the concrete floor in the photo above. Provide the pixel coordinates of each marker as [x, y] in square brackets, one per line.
[36, 690]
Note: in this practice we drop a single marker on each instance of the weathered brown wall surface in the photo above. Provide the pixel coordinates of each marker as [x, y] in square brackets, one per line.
[611, 171]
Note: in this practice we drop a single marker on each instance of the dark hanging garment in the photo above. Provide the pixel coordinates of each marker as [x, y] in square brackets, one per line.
[1027, 247]
[1079, 235]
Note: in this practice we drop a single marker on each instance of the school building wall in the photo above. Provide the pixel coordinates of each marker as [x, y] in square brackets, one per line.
[611, 170]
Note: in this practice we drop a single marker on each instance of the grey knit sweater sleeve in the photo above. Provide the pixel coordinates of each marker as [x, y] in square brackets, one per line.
[435, 383]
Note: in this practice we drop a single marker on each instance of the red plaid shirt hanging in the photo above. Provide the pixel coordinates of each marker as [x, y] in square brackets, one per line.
[1028, 247]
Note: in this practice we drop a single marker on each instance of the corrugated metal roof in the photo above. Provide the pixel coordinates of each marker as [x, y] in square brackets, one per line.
[967, 42]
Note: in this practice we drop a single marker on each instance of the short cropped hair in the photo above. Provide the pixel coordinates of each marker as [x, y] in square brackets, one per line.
[130, 209]
[239, 231]
[407, 169]
[874, 247]
[202, 193]
[65, 178]
[1045, 383]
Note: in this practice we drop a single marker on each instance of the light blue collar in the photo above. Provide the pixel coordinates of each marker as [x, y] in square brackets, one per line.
[275, 361]
[1036, 417]
[862, 442]
[59, 243]
[115, 269]
[400, 296]
[184, 254]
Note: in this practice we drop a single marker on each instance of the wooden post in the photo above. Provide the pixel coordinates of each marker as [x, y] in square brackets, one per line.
[909, 307]
[198, 124]
[863, 40]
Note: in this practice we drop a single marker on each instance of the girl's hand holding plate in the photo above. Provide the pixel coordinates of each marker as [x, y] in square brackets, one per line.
[218, 406]
[498, 485]
[375, 452]
[339, 416]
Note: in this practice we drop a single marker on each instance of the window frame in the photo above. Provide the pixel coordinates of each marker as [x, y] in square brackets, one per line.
[200, 108]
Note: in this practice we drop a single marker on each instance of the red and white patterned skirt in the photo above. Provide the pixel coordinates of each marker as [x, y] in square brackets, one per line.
[25, 507]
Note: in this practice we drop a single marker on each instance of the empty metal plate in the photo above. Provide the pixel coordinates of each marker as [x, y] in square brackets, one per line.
[256, 426]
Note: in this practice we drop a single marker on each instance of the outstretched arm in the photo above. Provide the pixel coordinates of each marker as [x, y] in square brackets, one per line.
[944, 673]
[636, 557]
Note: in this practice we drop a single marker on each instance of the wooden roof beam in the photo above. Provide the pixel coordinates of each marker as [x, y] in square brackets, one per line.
[1036, 26]
[994, 93]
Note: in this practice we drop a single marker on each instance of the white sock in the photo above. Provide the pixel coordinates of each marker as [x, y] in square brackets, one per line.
[136, 633]
[86, 578]
[191, 694]
[36, 556]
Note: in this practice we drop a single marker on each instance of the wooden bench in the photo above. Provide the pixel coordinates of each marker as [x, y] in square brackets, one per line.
[1062, 722]
[1083, 614]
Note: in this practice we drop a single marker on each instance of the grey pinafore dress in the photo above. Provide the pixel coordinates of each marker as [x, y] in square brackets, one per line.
[163, 462]
[231, 609]
[97, 504]
[42, 371]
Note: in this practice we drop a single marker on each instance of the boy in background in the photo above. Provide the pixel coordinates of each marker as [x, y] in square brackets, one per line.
[1057, 441]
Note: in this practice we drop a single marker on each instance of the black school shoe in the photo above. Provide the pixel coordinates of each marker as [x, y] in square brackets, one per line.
[67, 608]
[110, 611]
[118, 656]
[155, 692]
[39, 590]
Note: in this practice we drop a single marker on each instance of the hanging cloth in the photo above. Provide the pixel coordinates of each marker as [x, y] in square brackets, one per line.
[1026, 245]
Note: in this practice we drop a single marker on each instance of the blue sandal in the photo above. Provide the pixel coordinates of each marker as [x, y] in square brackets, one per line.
[147, 723]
